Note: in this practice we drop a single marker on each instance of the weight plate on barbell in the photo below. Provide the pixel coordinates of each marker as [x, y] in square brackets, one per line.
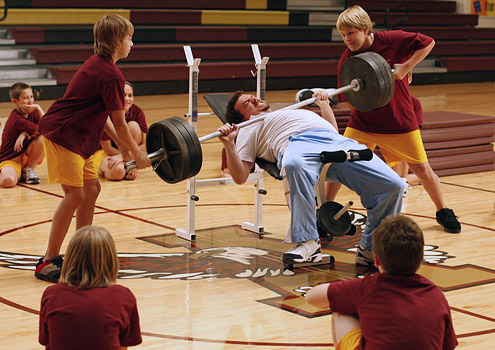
[377, 81]
[174, 167]
[193, 145]
[325, 216]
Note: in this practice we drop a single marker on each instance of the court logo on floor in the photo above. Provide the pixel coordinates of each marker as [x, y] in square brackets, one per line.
[231, 252]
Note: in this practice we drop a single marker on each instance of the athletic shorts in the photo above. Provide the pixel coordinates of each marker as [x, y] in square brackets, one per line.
[66, 167]
[98, 159]
[407, 147]
[350, 341]
[18, 163]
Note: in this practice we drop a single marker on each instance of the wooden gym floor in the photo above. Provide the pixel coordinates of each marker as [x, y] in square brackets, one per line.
[227, 289]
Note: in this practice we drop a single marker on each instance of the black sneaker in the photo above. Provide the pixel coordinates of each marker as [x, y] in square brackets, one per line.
[448, 220]
[28, 176]
[49, 270]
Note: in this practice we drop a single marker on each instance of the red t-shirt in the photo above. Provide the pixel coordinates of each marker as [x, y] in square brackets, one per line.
[76, 121]
[136, 114]
[396, 311]
[92, 319]
[14, 126]
[397, 116]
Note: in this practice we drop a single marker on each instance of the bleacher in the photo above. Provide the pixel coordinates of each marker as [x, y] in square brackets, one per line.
[49, 42]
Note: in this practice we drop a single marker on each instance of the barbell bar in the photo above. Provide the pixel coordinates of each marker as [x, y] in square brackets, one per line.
[176, 147]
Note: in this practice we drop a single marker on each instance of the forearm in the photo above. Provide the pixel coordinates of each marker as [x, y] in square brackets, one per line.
[327, 114]
[236, 166]
[418, 56]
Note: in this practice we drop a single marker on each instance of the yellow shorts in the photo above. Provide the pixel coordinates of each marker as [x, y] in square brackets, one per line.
[350, 341]
[66, 167]
[395, 148]
[98, 159]
[18, 163]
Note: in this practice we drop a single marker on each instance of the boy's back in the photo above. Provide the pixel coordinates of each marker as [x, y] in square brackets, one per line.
[396, 311]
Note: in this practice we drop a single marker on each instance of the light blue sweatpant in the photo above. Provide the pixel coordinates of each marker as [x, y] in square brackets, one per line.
[378, 186]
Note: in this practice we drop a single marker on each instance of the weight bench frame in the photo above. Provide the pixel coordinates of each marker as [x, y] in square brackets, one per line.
[193, 183]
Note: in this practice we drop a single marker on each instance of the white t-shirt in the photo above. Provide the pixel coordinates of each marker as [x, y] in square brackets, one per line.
[270, 137]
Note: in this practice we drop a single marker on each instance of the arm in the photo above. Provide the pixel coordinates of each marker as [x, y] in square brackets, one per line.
[31, 108]
[326, 111]
[318, 297]
[20, 141]
[142, 146]
[401, 69]
[106, 145]
[128, 142]
[239, 169]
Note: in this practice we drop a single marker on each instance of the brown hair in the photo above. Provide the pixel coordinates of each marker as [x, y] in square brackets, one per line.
[398, 244]
[354, 17]
[16, 89]
[90, 260]
[109, 31]
[233, 116]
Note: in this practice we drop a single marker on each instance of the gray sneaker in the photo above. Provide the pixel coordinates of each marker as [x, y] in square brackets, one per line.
[364, 257]
[309, 251]
[29, 177]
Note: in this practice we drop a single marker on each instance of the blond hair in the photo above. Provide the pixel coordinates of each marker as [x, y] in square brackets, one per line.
[354, 17]
[109, 32]
[90, 260]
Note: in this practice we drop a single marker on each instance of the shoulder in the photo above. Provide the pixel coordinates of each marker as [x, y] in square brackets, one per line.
[121, 291]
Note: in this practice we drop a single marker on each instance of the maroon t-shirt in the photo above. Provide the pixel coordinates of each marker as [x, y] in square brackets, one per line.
[92, 319]
[136, 114]
[397, 116]
[14, 126]
[418, 110]
[396, 312]
[76, 121]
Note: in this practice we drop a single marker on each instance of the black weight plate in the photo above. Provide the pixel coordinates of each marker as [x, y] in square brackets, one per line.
[193, 145]
[325, 219]
[388, 78]
[376, 88]
[175, 166]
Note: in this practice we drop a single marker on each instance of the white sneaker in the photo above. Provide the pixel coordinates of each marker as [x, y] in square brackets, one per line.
[309, 251]
[365, 257]
[29, 176]
[407, 187]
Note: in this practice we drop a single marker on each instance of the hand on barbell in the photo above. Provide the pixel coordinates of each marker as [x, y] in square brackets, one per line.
[321, 97]
[229, 133]
[142, 160]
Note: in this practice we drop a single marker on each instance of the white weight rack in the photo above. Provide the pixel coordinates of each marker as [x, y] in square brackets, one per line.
[194, 183]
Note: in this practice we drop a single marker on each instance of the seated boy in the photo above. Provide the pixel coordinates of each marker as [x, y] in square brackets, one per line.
[22, 147]
[112, 167]
[395, 308]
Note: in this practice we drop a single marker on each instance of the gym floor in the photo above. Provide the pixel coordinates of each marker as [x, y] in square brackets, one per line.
[227, 289]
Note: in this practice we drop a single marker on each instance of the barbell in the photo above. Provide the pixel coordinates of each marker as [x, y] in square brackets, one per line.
[175, 150]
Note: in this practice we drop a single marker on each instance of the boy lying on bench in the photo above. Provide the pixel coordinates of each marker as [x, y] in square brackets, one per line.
[294, 140]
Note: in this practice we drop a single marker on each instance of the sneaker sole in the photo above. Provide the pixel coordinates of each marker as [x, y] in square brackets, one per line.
[292, 259]
[448, 229]
[45, 278]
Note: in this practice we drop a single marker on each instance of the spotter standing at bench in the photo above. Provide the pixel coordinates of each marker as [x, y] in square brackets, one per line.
[72, 130]
[294, 140]
[394, 126]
